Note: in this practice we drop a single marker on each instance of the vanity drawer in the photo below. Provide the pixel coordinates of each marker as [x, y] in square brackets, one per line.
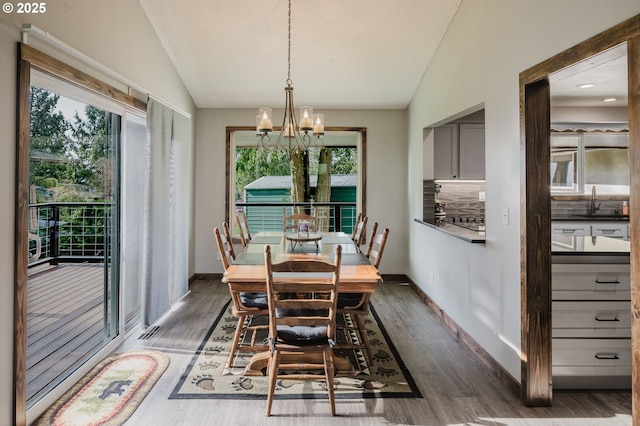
[591, 319]
[612, 355]
[591, 282]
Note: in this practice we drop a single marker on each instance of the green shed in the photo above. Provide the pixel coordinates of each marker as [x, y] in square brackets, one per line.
[277, 189]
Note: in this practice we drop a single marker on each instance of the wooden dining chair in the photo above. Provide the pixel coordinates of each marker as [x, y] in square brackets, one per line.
[243, 228]
[291, 222]
[244, 305]
[302, 326]
[359, 231]
[357, 304]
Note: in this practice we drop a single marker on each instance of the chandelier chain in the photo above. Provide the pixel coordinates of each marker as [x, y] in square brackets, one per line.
[289, 51]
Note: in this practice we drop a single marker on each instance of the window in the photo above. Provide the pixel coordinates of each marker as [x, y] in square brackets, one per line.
[580, 161]
[260, 181]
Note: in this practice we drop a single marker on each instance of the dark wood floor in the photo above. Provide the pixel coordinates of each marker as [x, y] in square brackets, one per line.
[64, 324]
[458, 389]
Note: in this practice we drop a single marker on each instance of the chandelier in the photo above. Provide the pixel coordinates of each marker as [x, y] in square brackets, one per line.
[292, 137]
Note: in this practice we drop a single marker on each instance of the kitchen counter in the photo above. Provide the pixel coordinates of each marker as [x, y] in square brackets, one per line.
[590, 218]
[456, 231]
[587, 249]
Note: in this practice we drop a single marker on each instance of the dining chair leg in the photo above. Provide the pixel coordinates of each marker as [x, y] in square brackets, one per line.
[364, 335]
[273, 378]
[327, 354]
[236, 341]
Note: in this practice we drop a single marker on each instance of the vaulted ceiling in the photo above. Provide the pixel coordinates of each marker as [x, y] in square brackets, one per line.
[344, 53]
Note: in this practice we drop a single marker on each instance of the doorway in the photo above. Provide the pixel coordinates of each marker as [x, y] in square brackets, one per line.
[68, 306]
[536, 379]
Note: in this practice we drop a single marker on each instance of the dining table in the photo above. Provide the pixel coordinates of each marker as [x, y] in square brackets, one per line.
[247, 273]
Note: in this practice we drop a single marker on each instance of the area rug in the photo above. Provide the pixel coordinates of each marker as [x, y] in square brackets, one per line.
[109, 393]
[206, 376]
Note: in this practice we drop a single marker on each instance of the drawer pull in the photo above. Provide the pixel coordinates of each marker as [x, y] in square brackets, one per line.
[607, 356]
[607, 282]
[568, 231]
[615, 319]
[609, 231]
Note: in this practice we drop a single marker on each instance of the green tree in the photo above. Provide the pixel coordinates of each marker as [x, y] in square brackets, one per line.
[344, 160]
[253, 163]
[88, 144]
[48, 137]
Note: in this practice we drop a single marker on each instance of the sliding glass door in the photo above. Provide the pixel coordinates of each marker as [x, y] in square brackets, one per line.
[74, 227]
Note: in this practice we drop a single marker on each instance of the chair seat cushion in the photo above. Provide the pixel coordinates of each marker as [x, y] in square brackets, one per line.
[302, 335]
[349, 299]
[254, 300]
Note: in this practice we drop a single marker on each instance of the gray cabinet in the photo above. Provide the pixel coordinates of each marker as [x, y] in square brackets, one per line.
[594, 229]
[459, 151]
[591, 329]
[445, 152]
[471, 151]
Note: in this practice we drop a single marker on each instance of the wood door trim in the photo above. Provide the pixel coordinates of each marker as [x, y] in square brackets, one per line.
[536, 380]
[633, 64]
[21, 243]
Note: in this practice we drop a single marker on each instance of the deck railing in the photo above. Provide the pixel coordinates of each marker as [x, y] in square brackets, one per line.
[339, 216]
[68, 232]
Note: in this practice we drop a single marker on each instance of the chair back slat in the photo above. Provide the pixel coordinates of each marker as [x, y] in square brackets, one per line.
[358, 233]
[227, 256]
[374, 229]
[227, 241]
[376, 247]
[243, 228]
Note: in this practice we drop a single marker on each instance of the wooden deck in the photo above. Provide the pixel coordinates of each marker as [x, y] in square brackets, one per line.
[65, 322]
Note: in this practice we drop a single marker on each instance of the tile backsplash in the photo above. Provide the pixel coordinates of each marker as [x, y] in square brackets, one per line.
[570, 207]
[460, 198]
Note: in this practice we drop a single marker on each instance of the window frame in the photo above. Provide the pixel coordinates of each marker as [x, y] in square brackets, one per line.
[361, 191]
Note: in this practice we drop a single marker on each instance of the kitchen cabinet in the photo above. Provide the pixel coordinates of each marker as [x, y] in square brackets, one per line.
[610, 229]
[571, 228]
[591, 325]
[459, 151]
[613, 229]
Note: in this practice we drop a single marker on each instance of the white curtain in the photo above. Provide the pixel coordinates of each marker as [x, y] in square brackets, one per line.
[166, 226]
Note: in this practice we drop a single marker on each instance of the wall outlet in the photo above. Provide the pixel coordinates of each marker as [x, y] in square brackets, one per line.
[481, 196]
[505, 216]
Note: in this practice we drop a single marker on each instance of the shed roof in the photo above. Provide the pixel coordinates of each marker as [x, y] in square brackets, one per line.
[275, 182]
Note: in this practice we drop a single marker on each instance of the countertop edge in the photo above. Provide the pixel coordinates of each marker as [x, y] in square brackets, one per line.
[456, 231]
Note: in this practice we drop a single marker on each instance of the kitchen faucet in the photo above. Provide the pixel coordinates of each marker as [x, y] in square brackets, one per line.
[594, 197]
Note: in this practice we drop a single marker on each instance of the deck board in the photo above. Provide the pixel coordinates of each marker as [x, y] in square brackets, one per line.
[64, 323]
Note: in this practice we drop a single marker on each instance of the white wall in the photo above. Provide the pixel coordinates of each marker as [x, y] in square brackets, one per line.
[115, 33]
[478, 62]
[386, 177]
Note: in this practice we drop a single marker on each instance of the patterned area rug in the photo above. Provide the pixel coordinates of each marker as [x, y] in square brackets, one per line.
[110, 392]
[206, 377]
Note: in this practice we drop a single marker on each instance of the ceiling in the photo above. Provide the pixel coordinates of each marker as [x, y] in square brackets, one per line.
[344, 54]
[368, 54]
[607, 71]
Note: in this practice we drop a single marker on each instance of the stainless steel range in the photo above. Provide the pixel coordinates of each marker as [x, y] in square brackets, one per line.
[474, 223]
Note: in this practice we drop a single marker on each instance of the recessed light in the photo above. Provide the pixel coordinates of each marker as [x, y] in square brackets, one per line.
[586, 85]
[609, 100]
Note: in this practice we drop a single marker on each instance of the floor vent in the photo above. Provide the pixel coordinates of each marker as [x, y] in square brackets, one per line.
[149, 333]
